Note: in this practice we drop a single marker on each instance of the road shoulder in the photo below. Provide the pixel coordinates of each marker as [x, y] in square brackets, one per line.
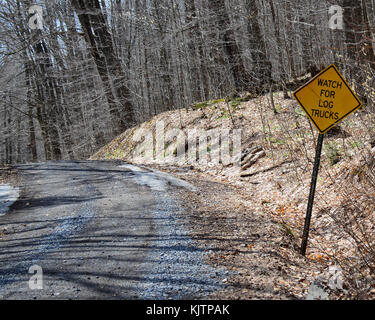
[260, 253]
[9, 191]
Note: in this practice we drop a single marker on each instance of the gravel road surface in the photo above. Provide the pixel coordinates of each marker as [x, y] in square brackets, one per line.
[100, 230]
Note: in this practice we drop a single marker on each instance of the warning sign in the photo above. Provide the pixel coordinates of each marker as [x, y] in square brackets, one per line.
[327, 99]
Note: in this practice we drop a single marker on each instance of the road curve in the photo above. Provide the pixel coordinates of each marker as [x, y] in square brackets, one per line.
[99, 230]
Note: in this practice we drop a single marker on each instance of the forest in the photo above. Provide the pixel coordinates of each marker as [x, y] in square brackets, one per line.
[74, 74]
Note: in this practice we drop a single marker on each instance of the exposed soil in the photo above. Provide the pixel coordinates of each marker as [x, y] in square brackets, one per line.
[264, 258]
[254, 221]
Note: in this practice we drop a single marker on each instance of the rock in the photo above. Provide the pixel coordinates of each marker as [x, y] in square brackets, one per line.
[250, 151]
[251, 156]
[336, 278]
[317, 291]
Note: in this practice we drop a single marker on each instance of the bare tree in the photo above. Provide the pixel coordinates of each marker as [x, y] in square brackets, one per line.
[94, 24]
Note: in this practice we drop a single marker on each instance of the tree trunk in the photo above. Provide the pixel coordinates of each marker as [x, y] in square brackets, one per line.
[262, 67]
[358, 44]
[109, 67]
[229, 43]
[283, 76]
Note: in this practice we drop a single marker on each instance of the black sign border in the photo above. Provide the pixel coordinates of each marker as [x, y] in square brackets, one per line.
[343, 117]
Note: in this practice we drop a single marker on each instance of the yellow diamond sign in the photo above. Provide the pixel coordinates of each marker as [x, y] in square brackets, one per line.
[327, 99]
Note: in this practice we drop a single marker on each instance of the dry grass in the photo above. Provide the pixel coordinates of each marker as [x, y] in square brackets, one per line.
[342, 229]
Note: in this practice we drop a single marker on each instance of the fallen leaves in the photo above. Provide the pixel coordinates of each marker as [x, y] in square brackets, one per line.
[319, 257]
[3, 233]
[278, 196]
[231, 215]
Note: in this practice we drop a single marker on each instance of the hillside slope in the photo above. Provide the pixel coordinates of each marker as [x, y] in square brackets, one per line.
[278, 148]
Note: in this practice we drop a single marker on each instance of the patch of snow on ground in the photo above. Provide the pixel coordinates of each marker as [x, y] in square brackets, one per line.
[8, 195]
[156, 180]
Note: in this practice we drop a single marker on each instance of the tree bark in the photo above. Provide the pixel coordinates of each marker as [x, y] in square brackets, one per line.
[98, 38]
[262, 67]
[229, 43]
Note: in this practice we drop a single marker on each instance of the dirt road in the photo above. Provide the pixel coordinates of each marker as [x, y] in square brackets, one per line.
[99, 230]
